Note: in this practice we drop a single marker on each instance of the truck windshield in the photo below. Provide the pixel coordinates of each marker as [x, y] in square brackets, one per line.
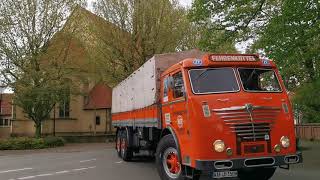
[259, 80]
[205, 81]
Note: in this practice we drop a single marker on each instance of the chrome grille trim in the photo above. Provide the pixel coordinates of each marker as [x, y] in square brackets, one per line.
[246, 116]
[247, 134]
[244, 127]
[257, 119]
[235, 108]
[248, 130]
[251, 137]
[249, 122]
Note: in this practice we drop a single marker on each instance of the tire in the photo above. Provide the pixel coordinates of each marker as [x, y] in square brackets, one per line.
[126, 152]
[257, 173]
[197, 175]
[168, 159]
[118, 143]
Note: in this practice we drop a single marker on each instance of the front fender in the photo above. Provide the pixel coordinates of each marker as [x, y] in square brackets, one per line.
[170, 130]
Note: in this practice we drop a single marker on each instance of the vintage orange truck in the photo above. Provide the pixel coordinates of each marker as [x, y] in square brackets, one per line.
[223, 115]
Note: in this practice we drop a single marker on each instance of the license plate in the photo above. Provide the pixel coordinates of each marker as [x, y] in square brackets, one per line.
[225, 174]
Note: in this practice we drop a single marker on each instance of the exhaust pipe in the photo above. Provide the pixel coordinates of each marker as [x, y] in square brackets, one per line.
[223, 164]
[292, 159]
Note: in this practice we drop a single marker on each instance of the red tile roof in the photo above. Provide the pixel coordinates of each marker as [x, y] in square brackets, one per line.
[100, 97]
[6, 104]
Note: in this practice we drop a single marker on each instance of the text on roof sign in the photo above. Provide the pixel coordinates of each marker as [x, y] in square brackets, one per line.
[232, 58]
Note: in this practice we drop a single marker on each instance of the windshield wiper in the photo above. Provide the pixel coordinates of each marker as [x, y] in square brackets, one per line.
[202, 73]
[199, 76]
[250, 77]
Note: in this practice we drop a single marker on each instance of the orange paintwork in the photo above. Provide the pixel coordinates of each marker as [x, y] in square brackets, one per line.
[197, 133]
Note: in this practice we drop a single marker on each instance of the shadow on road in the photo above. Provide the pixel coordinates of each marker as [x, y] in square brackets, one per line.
[143, 159]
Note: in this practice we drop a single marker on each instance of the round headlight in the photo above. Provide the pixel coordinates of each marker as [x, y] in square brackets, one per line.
[219, 146]
[285, 141]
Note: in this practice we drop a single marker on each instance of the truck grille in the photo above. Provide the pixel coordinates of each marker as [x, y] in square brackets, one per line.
[250, 123]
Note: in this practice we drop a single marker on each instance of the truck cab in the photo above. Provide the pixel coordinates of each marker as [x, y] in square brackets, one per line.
[229, 115]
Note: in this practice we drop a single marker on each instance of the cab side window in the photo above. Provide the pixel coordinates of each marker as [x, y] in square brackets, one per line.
[165, 89]
[178, 86]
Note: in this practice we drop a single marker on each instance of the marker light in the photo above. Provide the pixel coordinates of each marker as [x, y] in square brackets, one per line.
[219, 146]
[285, 141]
[277, 148]
[229, 151]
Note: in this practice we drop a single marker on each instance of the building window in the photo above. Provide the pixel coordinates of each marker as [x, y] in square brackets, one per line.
[85, 100]
[5, 122]
[64, 109]
[98, 120]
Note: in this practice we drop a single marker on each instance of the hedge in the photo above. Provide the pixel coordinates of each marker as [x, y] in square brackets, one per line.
[21, 143]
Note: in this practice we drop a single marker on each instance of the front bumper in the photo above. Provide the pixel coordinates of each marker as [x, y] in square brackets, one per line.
[235, 164]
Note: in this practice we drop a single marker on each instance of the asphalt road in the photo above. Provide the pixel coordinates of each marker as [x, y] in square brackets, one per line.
[99, 162]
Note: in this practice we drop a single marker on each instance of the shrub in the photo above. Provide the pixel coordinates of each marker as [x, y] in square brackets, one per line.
[21, 143]
[308, 100]
[52, 141]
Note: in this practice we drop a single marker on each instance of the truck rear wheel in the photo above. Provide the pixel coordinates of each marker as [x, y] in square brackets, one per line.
[126, 152]
[257, 173]
[168, 159]
[118, 143]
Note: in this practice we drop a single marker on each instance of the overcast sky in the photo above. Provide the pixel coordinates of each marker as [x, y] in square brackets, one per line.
[186, 2]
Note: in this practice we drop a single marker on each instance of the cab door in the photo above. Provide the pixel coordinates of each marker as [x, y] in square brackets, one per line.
[178, 103]
[165, 102]
[174, 108]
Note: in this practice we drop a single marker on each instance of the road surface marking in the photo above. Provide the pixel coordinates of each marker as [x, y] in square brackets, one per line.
[14, 170]
[80, 169]
[88, 160]
[55, 173]
[119, 162]
[42, 175]
[62, 172]
[27, 177]
[85, 168]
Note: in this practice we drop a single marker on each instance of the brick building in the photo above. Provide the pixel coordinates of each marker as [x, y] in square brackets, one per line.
[5, 114]
[85, 114]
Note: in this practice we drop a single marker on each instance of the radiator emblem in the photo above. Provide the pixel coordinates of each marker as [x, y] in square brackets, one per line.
[249, 108]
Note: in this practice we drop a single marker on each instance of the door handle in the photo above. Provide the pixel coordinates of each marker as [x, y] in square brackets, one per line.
[223, 100]
[267, 98]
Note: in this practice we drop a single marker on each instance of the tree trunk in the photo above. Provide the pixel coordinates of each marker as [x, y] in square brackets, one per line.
[309, 64]
[38, 130]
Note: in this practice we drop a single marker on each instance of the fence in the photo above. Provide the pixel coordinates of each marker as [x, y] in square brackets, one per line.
[308, 131]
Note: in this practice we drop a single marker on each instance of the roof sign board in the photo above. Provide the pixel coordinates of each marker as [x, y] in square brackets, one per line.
[233, 58]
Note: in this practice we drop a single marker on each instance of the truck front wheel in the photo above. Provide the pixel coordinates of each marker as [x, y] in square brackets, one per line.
[257, 173]
[168, 159]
